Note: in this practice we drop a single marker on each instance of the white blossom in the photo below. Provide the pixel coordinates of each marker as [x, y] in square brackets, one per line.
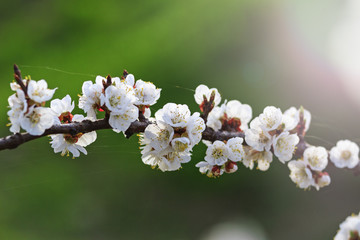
[258, 138]
[235, 109]
[60, 144]
[284, 146]
[175, 115]
[271, 118]
[181, 144]
[172, 160]
[39, 92]
[349, 229]
[66, 143]
[295, 115]
[121, 122]
[159, 136]
[15, 86]
[217, 153]
[249, 160]
[307, 119]
[204, 167]
[150, 156]
[18, 105]
[210, 170]
[99, 80]
[156, 149]
[37, 120]
[146, 93]
[214, 117]
[236, 151]
[195, 128]
[263, 159]
[345, 154]
[61, 107]
[316, 157]
[130, 80]
[230, 167]
[321, 180]
[164, 150]
[118, 99]
[90, 100]
[202, 91]
[147, 112]
[166, 159]
[289, 123]
[232, 110]
[303, 174]
[300, 174]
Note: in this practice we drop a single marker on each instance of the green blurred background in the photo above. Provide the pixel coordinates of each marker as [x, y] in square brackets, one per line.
[259, 52]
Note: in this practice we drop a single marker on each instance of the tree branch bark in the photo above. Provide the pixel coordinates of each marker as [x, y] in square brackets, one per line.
[15, 140]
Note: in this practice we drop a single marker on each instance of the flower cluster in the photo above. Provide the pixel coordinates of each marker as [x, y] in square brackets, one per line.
[349, 229]
[307, 172]
[231, 135]
[122, 99]
[272, 132]
[228, 130]
[27, 107]
[168, 142]
[230, 116]
[222, 157]
[66, 143]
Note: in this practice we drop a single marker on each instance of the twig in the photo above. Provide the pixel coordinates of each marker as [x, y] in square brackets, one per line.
[18, 79]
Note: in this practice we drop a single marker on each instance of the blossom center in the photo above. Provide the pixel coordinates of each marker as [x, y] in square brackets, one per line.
[314, 160]
[37, 93]
[263, 139]
[180, 146]
[346, 155]
[114, 100]
[301, 174]
[283, 144]
[171, 156]
[177, 118]
[164, 135]
[35, 117]
[218, 153]
[270, 122]
[66, 117]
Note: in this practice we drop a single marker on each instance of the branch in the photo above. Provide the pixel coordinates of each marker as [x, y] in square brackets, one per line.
[212, 135]
[85, 126]
[15, 140]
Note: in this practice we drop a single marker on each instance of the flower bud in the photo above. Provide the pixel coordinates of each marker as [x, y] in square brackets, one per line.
[231, 167]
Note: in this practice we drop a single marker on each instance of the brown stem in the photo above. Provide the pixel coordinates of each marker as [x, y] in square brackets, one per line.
[207, 106]
[85, 126]
[212, 135]
[18, 79]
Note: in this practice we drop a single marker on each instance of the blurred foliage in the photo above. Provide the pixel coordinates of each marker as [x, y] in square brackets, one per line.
[111, 194]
